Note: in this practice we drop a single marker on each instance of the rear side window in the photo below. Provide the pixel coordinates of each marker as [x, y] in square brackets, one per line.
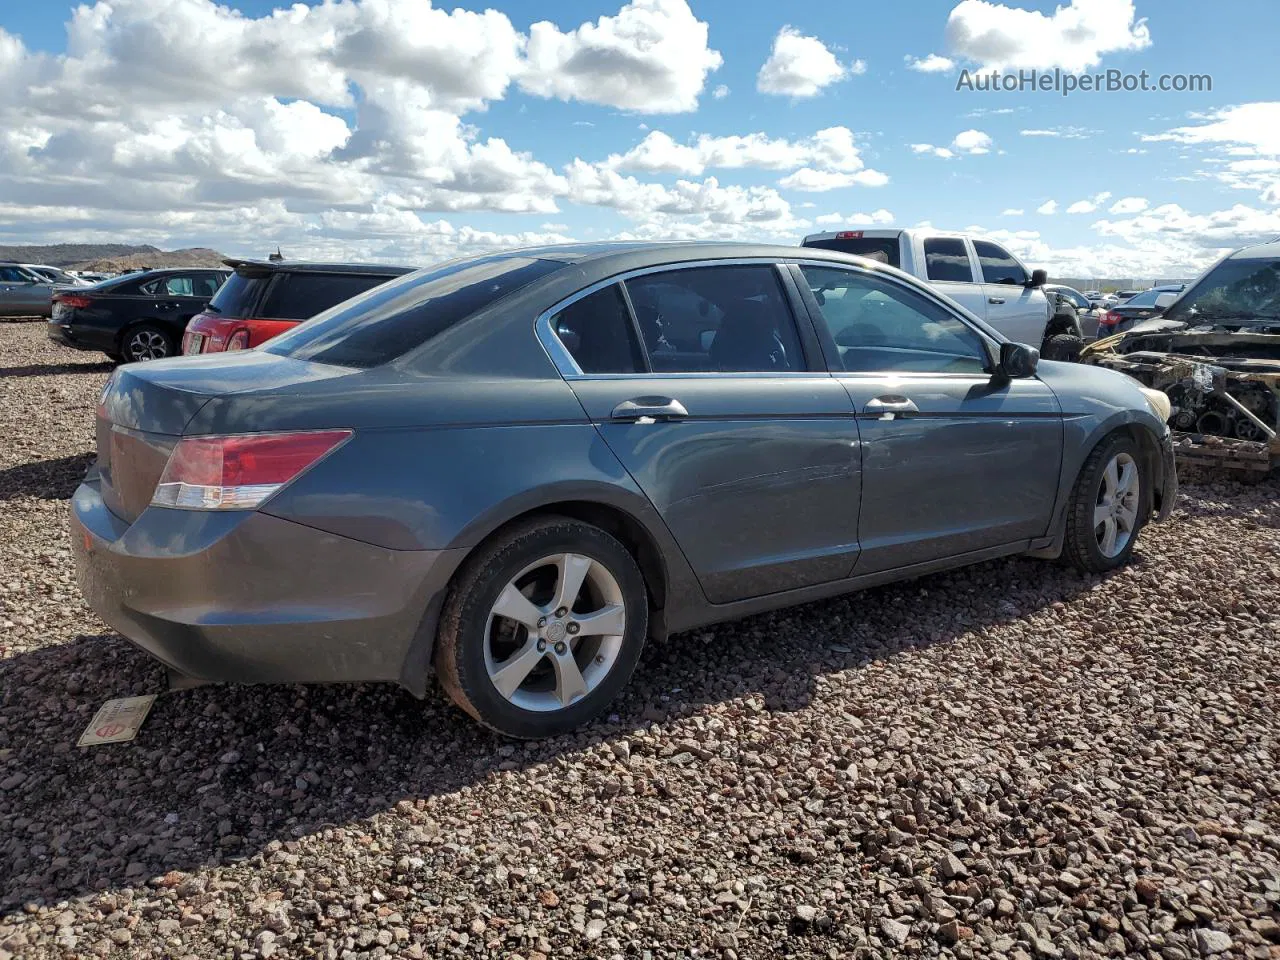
[947, 260]
[598, 334]
[998, 265]
[390, 320]
[730, 319]
[880, 249]
[299, 296]
[236, 298]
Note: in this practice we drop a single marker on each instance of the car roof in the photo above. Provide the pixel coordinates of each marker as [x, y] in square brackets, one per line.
[627, 255]
[312, 266]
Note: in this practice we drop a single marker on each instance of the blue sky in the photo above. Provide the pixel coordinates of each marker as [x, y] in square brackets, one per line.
[425, 132]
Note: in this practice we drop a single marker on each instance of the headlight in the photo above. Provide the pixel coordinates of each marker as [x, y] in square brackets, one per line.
[1159, 402]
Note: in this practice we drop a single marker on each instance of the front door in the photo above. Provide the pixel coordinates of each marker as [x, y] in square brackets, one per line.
[1018, 311]
[952, 461]
[698, 380]
[949, 270]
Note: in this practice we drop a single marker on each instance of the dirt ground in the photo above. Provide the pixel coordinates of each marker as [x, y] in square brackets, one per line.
[1011, 760]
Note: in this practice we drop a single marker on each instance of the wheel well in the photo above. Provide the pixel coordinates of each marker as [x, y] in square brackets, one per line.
[618, 523]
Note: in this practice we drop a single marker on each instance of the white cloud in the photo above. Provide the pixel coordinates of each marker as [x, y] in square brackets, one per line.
[972, 142]
[720, 92]
[1074, 37]
[1090, 205]
[652, 57]
[1247, 129]
[1048, 208]
[876, 218]
[800, 66]
[929, 148]
[1012, 212]
[1065, 133]
[933, 63]
[1128, 205]
[832, 150]
[1245, 138]
[809, 179]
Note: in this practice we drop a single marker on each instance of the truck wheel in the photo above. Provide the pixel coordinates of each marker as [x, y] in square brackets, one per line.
[1062, 346]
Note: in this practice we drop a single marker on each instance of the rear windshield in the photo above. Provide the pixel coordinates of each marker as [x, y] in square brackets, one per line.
[882, 249]
[389, 321]
[236, 297]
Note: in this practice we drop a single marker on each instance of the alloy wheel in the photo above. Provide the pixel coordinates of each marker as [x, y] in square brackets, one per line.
[1115, 513]
[147, 345]
[555, 632]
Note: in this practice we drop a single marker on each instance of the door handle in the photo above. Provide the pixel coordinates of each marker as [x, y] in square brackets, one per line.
[649, 409]
[995, 300]
[889, 407]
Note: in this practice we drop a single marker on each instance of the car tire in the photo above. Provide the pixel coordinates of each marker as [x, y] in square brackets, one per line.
[146, 341]
[1065, 347]
[542, 671]
[1107, 512]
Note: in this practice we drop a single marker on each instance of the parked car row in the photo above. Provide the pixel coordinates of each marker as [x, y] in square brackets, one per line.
[516, 468]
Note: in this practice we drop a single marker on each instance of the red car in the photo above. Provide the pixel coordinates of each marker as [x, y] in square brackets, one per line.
[264, 298]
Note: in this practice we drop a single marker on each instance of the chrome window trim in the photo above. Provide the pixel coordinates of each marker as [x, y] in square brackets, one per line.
[568, 367]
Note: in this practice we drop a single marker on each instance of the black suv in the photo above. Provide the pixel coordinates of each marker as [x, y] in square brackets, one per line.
[264, 298]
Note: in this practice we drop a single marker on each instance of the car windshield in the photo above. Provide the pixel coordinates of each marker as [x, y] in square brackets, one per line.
[1246, 289]
[388, 321]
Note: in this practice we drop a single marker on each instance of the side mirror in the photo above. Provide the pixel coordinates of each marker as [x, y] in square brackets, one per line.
[1018, 361]
[1038, 278]
[1165, 300]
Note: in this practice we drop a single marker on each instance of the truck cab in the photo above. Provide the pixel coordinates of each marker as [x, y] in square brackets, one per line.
[979, 274]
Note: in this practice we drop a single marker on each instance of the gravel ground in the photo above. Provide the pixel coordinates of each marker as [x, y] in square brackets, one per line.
[1011, 760]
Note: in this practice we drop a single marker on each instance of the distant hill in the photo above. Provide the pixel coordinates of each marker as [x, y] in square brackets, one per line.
[112, 257]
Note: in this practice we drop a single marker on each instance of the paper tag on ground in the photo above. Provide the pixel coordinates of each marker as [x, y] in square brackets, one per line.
[117, 721]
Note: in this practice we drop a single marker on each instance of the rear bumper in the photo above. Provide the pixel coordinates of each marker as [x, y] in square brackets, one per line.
[244, 597]
[79, 338]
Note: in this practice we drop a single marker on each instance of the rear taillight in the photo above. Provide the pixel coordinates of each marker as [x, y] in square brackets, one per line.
[72, 301]
[239, 472]
[237, 341]
[1108, 319]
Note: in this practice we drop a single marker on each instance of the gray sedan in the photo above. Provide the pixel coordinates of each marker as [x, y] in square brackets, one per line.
[24, 293]
[516, 468]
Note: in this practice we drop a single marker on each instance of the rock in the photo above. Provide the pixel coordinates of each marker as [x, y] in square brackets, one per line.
[951, 868]
[1209, 942]
[896, 931]
[805, 913]
[594, 930]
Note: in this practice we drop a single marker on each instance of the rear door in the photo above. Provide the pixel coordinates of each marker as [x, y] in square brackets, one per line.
[714, 399]
[1018, 311]
[952, 461]
[950, 270]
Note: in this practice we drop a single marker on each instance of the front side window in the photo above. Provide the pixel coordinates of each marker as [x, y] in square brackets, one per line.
[718, 319]
[947, 261]
[1233, 290]
[178, 287]
[998, 265]
[880, 326]
[12, 275]
[598, 333]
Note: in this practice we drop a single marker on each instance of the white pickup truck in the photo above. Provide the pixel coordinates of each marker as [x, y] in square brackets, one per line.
[980, 275]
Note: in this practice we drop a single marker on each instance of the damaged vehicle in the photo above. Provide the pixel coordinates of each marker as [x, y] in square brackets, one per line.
[1214, 350]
